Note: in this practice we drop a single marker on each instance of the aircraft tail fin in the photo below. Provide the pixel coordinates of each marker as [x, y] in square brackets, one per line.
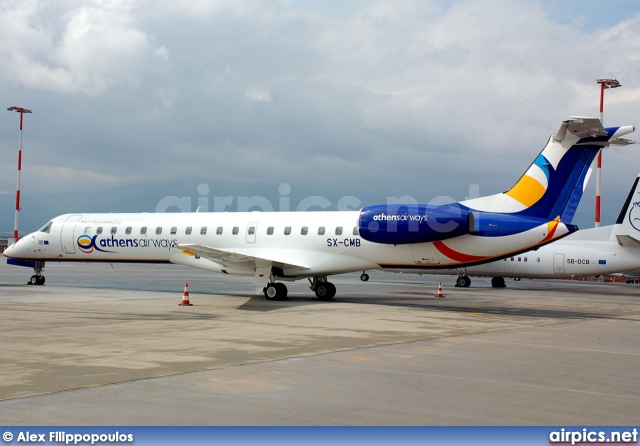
[627, 229]
[554, 183]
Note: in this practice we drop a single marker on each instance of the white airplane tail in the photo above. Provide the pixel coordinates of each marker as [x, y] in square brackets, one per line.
[627, 229]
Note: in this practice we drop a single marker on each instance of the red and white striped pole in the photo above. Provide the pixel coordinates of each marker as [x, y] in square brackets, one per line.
[604, 83]
[22, 111]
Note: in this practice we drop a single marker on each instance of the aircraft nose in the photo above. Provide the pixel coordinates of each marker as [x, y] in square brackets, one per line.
[8, 252]
[15, 249]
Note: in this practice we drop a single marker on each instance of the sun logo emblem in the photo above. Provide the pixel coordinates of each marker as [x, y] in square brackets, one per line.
[85, 243]
[634, 215]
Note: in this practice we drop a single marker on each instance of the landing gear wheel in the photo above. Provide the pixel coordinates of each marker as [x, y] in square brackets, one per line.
[325, 291]
[281, 291]
[498, 282]
[270, 291]
[463, 281]
[364, 277]
[36, 280]
[275, 291]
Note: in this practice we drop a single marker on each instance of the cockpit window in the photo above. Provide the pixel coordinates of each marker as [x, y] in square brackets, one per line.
[46, 228]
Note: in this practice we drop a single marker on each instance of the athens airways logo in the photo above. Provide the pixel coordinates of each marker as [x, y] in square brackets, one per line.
[88, 244]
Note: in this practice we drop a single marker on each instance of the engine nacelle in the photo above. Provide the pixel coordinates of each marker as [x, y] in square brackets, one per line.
[400, 224]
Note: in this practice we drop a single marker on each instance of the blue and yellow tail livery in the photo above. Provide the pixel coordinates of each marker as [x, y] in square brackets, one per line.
[553, 185]
[548, 193]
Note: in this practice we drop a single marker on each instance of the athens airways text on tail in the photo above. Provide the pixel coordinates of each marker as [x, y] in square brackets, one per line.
[275, 247]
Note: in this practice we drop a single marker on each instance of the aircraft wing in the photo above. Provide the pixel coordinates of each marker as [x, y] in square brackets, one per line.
[235, 258]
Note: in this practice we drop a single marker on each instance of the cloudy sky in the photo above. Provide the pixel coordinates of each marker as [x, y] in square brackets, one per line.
[417, 98]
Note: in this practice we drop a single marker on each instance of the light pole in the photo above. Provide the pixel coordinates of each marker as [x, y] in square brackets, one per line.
[604, 83]
[22, 111]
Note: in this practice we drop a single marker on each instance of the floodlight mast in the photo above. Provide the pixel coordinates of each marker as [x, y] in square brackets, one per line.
[604, 83]
[22, 111]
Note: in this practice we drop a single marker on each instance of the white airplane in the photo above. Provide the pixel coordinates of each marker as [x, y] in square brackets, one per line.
[274, 247]
[590, 252]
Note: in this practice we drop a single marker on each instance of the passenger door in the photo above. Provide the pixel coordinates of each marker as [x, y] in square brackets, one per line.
[67, 236]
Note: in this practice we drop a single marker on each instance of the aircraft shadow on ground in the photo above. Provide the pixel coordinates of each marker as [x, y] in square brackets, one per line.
[259, 303]
[434, 303]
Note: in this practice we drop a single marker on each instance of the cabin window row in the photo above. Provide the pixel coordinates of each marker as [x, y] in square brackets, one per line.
[513, 259]
[158, 230]
[304, 230]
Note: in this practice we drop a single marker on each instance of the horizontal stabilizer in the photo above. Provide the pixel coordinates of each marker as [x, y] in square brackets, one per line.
[580, 127]
[621, 142]
[628, 240]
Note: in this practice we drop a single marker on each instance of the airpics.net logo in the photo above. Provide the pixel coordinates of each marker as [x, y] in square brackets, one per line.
[207, 202]
[588, 436]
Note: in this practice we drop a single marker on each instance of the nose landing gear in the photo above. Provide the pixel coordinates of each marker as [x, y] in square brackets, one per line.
[324, 290]
[37, 278]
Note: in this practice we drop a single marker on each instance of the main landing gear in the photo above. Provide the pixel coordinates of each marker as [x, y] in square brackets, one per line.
[324, 290]
[364, 276]
[498, 282]
[37, 278]
[463, 281]
[278, 291]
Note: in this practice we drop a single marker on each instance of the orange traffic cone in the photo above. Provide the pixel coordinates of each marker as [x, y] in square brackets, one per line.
[185, 296]
[440, 290]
